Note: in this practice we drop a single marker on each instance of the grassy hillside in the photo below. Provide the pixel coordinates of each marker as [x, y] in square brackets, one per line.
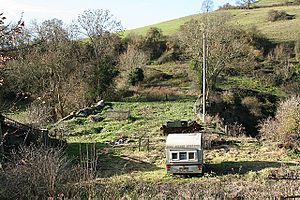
[288, 30]
[270, 2]
[168, 27]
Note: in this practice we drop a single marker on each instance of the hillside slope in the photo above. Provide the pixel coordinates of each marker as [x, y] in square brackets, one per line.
[279, 31]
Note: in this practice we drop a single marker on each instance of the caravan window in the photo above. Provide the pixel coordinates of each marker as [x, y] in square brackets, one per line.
[182, 155]
[191, 155]
[175, 156]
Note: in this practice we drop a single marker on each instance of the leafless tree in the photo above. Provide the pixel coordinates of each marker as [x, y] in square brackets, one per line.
[49, 70]
[8, 34]
[98, 25]
[207, 5]
[225, 44]
[129, 60]
[245, 2]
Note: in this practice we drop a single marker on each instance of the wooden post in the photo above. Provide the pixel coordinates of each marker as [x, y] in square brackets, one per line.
[1, 138]
[80, 156]
[226, 129]
[148, 144]
[204, 78]
[140, 143]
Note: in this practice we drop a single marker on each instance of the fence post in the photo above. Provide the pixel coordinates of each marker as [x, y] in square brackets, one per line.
[140, 143]
[226, 129]
[1, 138]
[148, 144]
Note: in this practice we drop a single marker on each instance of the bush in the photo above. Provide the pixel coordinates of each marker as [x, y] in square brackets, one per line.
[226, 6]
[276, 15]
[285, 126]
[215, 189]
[136, 76]
[38, 173]
[39, 114]
[297, 50]
[253, 104]
[228, 97]
[165, 58]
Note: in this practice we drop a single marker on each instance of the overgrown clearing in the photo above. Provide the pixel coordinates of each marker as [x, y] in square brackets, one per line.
[239, 160]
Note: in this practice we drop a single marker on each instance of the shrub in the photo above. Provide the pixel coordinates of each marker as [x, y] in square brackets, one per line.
[228, 97]
[38, 173]
[226, 6]
[253, 104]
[282, 52]
[297, 50]
[285, 126]
[165, 58]
[276, 15]
[39, 114]
[215, 189]
[136, 76]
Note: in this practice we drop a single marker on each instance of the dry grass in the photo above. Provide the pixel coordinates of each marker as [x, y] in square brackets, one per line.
[284, 127]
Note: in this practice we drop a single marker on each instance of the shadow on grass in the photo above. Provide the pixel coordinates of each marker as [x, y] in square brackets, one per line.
[109, 161]
[111, 164]
[224, 144]
[241, 168]
[159, 98]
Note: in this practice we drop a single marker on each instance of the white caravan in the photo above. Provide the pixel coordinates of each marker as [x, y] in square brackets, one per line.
[184, 153]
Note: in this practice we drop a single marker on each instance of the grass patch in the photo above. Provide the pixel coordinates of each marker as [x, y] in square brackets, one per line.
[270, 2]
[249, 83]
[147, 118]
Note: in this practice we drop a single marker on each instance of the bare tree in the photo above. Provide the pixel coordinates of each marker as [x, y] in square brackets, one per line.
[225, 44]
[207, 5]
[8, 39]
[129, 60]
[245, 2]
[102, 30]
[8, 34]
[98, 25]
[51, 69]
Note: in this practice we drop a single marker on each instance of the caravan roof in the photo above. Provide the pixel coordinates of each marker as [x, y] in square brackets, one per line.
[184, 140]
